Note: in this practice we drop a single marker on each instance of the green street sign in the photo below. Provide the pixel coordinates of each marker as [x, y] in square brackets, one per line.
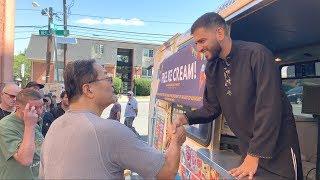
[57, 32]
[62, 32]
[44, 32]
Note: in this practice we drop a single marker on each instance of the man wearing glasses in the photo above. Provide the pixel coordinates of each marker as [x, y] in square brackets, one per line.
[8, 99]
[21, 138]
[82, 145]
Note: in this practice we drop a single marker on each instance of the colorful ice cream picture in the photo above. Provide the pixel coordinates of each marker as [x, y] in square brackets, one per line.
[202, 79]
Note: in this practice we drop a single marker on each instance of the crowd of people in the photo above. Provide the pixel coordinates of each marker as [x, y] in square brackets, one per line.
[42, 138]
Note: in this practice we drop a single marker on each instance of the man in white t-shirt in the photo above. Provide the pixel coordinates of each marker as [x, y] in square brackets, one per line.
[82, 145]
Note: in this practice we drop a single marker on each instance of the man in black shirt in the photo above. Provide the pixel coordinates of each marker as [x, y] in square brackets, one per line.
[62, 107]
[243, 82]
[8, 99]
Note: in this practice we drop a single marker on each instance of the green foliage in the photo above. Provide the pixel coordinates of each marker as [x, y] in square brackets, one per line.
[142, 86]
[117, 85]
[17, 64]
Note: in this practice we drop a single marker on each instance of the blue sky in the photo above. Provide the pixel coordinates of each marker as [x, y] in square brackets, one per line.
[126, 15]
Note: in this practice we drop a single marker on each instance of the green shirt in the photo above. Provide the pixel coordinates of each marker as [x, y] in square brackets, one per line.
[11, 135]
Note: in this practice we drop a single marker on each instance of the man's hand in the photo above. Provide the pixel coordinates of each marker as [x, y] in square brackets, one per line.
[30, 116]
[172, 155]
[180, 121]
[180, 136]
[248, 168]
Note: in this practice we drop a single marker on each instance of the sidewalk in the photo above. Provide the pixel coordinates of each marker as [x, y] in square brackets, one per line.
[124, 99]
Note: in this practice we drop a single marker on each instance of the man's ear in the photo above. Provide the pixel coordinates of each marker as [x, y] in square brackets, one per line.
[19, 106]
[220, 34]
[87, 91]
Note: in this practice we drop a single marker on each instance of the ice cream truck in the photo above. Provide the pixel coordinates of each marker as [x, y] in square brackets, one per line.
[211, 150]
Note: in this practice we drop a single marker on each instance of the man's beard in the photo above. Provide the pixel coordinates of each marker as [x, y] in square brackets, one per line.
[215, 51]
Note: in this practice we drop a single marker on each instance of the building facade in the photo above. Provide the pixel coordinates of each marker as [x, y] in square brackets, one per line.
[126, 60]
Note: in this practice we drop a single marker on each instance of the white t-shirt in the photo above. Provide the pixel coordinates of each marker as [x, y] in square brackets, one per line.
[81, 145]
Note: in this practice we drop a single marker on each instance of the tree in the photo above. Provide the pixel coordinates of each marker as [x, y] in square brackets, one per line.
[18, 62]
[142, 86]
[117, 85]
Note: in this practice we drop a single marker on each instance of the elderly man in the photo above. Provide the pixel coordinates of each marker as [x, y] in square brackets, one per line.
[82, 145]
[21, 138]
[8, 99]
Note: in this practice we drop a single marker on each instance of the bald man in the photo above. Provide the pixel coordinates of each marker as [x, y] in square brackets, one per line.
[8, 99]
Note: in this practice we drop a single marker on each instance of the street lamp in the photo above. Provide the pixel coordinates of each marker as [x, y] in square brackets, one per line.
[49, 13]
[35, 4]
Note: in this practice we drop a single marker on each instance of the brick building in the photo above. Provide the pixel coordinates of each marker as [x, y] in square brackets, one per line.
[123, 59]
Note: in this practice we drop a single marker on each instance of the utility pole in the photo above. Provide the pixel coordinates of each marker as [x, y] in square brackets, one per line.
[49, 43]
[65, 32]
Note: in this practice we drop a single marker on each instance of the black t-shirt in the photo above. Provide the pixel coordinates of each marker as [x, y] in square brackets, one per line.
[47, 121]
[58, 111]
[3, 113]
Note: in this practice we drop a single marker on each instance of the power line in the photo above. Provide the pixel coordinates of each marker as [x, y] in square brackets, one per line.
[116, 33]
[117, 38]
[100, 29]
[21, 38]
[107, 37]
[32, 26]
[37, 10]
[111, 30]
[17, 32]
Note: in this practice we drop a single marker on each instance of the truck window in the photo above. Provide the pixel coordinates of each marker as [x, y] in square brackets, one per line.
[293, 81]
[201, 133]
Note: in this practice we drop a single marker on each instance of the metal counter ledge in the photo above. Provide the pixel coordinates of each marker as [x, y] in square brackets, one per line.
[222, 161]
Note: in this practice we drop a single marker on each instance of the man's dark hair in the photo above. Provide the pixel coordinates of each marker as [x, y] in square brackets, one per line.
[208, 20]
[63, 94]
[28, 94]
[76, 74]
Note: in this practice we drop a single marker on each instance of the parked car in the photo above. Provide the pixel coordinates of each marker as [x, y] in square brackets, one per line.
[295, 95]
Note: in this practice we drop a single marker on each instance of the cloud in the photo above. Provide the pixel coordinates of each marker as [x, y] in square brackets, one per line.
[89, 21]
[124, 22]
[108, 21]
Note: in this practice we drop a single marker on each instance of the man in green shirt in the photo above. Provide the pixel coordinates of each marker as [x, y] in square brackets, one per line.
[21, 138]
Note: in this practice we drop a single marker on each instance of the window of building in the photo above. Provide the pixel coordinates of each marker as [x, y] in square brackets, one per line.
[148, 53]
[98, 50]
[146, 72]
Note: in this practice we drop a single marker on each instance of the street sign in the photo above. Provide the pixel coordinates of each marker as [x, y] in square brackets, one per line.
[57, 32]
[62, 32]
[66, 40]
[44, 32]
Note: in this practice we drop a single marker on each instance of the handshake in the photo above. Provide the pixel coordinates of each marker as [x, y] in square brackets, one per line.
[177, 131]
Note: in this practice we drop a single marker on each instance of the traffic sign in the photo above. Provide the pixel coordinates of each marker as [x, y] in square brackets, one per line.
[62, 32]
[44, 32]
[66, 40]
[57, 32]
